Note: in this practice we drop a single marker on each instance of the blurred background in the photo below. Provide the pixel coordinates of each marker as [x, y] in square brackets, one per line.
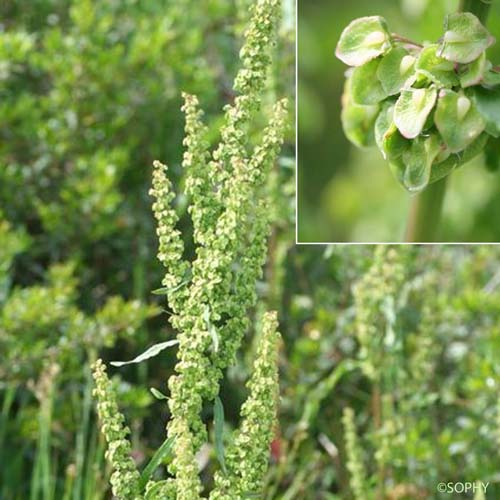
[346, 194]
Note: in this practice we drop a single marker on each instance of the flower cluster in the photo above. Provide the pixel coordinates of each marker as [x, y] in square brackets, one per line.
[375, 299]
[355, 464]
[125, 476]
[430, 108]
[210, 297]
[248, 455]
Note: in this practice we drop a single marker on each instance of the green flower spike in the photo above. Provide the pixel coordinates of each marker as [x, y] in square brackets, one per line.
[248, 455]
[125, 476]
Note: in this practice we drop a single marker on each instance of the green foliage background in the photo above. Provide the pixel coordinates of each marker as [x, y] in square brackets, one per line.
[349, 195]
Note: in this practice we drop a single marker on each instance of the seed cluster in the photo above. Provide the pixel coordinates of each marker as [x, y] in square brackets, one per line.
[210, 297]
[430, 108]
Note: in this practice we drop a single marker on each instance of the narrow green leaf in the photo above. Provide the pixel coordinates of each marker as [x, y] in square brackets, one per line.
[362, 40]
[212, 330]
[151, 352]
[437, 69]
[412, 109]
[457, 120]
[396, 71]
[166, 290]
[366, 88]
[161, 454]
[157, 394]
[219, 432]
[465, 38]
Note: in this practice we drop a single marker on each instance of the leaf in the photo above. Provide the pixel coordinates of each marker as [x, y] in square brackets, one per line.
[167, 290]
[455, 160]
[488, 105]
[396, 71]
[366, 88]
[457, 120]
[211, 329]
[412, 109]
[157, 394]
[358, 121]
[219, 432]
[435, 68]
[492, 154]
[389, 141]
[362, 40]
[397, 168]
[324, 388]
[418, 161]
[465, 38]
[151, 352]
[473, 74]
[163, 451]
[491, 77]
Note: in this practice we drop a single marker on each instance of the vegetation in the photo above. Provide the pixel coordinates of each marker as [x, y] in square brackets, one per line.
[429, 109]
[387, 356]
[91, 93]
[352, 196]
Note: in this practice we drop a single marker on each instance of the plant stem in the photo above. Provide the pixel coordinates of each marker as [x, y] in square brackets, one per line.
[479, 8]
[425, 209]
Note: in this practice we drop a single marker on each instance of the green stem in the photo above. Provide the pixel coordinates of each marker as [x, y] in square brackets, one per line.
[479, 8]
[425, 209]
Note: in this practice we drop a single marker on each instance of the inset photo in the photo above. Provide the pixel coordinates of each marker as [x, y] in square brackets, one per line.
[398, 121]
